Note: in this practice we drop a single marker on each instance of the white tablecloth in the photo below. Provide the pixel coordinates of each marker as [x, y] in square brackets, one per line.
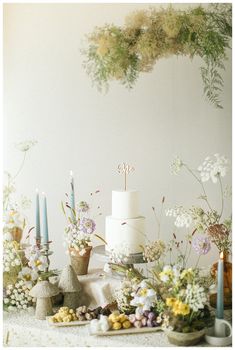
[98, 289]
[21, 329]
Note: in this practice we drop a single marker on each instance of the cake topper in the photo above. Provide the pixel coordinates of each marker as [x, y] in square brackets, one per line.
[125, 169]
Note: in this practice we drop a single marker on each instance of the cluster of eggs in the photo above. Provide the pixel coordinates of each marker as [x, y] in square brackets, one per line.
[85, 314]
[145, 319]
[64, 314]
[119, 321]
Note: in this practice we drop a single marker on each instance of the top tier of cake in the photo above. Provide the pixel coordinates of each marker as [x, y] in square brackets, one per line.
[125, 204]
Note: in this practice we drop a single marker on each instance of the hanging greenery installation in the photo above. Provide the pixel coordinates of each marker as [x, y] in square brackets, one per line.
[122, 53]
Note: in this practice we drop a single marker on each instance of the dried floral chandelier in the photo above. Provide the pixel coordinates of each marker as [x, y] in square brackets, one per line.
[122, 53]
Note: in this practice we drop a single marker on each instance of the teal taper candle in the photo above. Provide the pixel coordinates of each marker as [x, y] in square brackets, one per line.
[44, 219]
[220, 288]
[38, 229]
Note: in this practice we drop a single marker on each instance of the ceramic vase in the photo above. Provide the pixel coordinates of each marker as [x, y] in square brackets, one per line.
[185, 339]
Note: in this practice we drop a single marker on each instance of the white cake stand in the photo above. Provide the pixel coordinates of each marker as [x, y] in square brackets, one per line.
[102, 255]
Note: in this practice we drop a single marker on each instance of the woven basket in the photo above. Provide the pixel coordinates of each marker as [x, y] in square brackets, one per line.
[80, 262]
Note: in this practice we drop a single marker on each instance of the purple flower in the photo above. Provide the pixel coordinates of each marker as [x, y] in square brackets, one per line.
[87, 225]
[201, 245]
[83, 206]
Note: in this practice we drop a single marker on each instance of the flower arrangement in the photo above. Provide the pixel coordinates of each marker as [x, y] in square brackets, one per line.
[122, 53]
[206, 219]
[172, 297]
[80, 229]
[185, 299]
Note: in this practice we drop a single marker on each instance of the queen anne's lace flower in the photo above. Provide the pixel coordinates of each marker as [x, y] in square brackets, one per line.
[181, 215]
[195, 297]
[176, 165]
[213, 168]
[24, 146]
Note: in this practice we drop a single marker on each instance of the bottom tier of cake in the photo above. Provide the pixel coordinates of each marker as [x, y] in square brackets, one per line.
[128, 233]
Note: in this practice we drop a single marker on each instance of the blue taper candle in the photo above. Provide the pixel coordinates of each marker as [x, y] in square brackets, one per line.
[38, 229]
[44, 219]
[220, 288]
[72, 195]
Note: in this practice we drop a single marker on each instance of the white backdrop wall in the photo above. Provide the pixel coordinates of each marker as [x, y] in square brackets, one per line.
[49, 97]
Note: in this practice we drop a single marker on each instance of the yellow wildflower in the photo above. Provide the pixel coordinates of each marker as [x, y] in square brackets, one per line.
[180, 308]
[170, 301]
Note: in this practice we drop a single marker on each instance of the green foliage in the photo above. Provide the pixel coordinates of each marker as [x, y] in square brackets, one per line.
[122, 53]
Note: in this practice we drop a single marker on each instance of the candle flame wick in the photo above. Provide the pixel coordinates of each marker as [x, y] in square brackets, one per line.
[71, 172]
[221, 255]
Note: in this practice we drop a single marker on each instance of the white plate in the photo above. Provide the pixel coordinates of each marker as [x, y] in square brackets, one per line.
[132, 330]
[66, 324]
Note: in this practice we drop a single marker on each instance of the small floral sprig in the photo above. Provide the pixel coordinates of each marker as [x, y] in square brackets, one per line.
[154, 250]
[36, 260]
[11, 256]
[119, 254]
[123, 296]
[16, 296]
[220, 236]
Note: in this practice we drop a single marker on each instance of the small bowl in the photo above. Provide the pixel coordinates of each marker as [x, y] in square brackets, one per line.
[217, 341]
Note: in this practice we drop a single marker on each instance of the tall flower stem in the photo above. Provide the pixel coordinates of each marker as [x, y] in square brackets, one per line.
[222, 196]
[20, 168]
[200, 182]
[198, 261]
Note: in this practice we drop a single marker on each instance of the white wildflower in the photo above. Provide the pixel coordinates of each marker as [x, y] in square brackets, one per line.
[181, 215]
[144, 297]
[24, 146]
[195, 297]
[176, 165]
[211, 169]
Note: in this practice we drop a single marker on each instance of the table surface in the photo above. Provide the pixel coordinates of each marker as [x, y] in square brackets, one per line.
[22, 329]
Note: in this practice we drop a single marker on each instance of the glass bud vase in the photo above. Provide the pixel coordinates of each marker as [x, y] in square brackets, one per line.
[227, 283]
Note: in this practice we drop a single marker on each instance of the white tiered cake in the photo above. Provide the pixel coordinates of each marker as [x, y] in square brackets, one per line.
[125, 226]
